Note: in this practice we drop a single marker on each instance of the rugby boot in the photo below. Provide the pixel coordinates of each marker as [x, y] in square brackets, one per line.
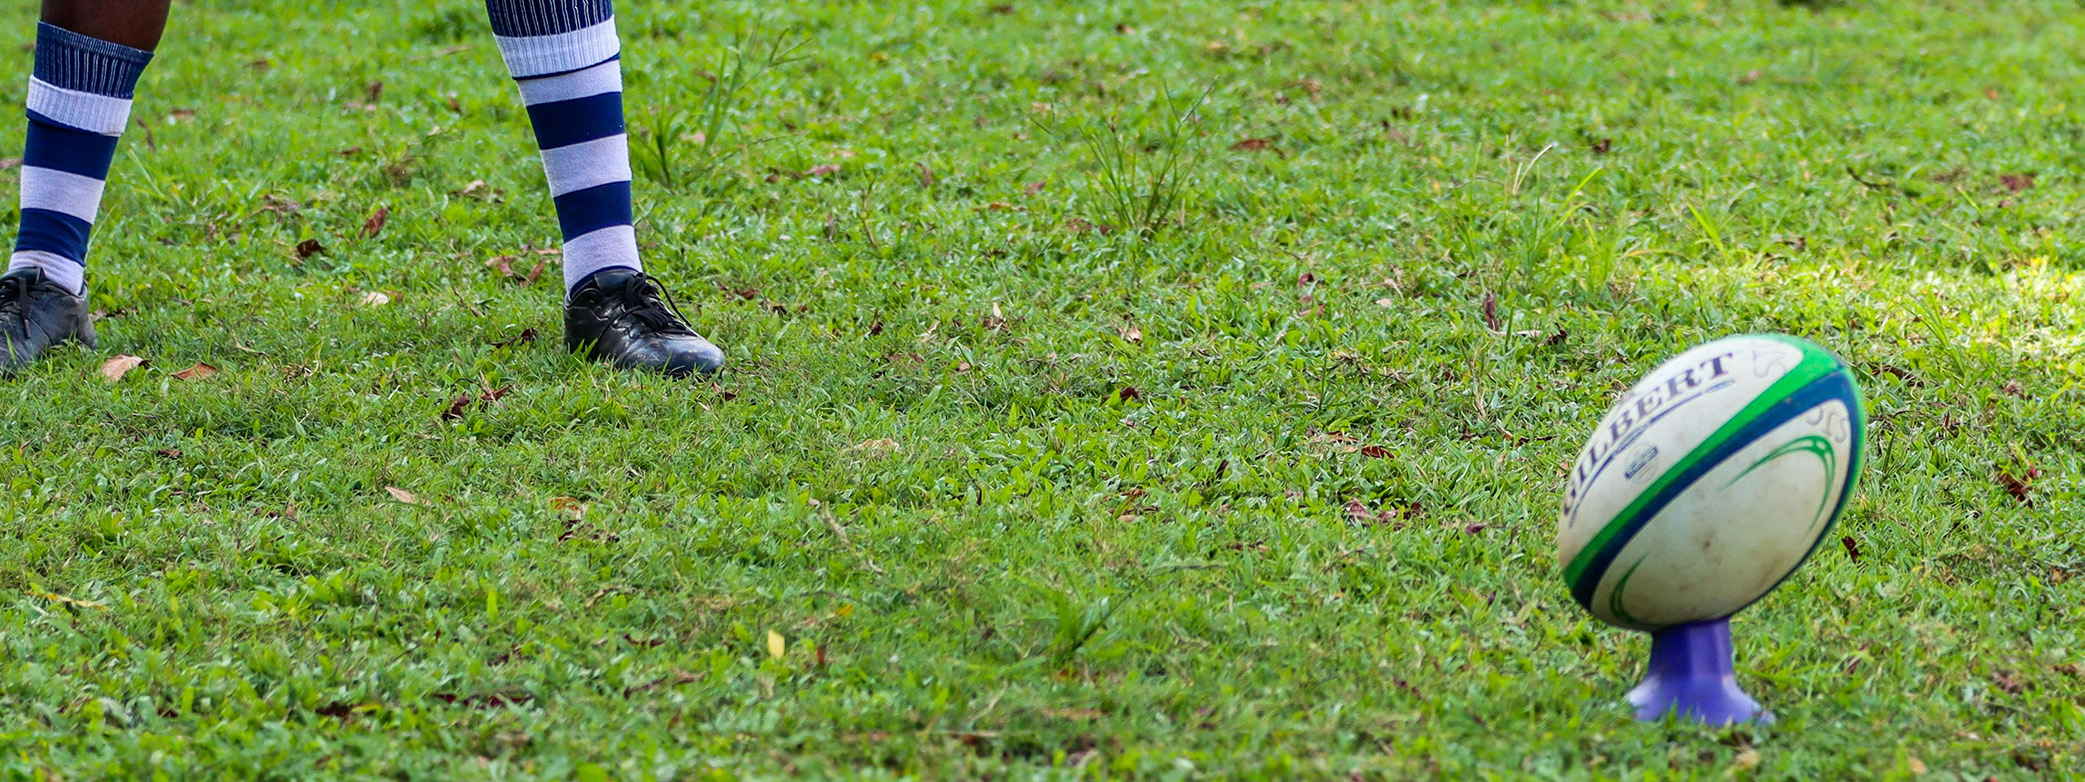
[36, 314]
[623, 317]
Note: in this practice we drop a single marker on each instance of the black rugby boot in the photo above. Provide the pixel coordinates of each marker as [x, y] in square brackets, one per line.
[35, 314]
[618, 316]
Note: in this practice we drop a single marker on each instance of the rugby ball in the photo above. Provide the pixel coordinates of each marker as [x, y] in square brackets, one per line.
[1710, 482]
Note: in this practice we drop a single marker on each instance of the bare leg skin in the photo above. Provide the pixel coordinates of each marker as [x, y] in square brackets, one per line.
[133, 23]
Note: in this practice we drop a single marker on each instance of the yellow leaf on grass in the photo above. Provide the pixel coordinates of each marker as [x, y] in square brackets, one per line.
[116, 367]
[402, 495]
[71, 601]
[1746, 759]
[775, 645]
[882, 446]
[1077, 715]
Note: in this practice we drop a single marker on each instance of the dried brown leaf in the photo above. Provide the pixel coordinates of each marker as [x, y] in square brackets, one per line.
[2019, 485]
[279, 204]
[198, 372]
[117, 366]
[456, 408]
[338, 710]
[1392, 516]
[375, 224]
[568, 506]
[526, 336]
[2008, 682]
[1901, 374]
[402, 495]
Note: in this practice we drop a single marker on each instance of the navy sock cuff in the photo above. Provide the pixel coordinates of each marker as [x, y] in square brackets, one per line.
[83, 63]
[520, 18]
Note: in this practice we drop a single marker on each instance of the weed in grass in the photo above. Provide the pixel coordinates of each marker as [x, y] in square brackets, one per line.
[1075, 622]
[1144, 164]
[680, 146]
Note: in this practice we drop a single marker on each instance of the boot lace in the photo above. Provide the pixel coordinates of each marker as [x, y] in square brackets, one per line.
[14, 298]
[652, 306]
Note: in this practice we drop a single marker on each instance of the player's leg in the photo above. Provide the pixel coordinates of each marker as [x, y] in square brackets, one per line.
[89, 54]
[564, 54]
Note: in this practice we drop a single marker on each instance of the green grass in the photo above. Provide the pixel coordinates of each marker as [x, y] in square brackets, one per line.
[1315, 541]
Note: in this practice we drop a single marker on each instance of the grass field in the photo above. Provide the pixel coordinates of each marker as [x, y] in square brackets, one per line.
[1119, 390]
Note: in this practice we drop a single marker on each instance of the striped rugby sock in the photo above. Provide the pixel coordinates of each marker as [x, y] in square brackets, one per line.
[79, 102]
[563, 54]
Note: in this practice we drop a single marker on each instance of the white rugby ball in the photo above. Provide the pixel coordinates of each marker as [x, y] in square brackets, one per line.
[1710, 482]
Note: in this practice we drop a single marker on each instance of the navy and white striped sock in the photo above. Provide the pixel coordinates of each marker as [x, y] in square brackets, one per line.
[563, 54]
[79, 103]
